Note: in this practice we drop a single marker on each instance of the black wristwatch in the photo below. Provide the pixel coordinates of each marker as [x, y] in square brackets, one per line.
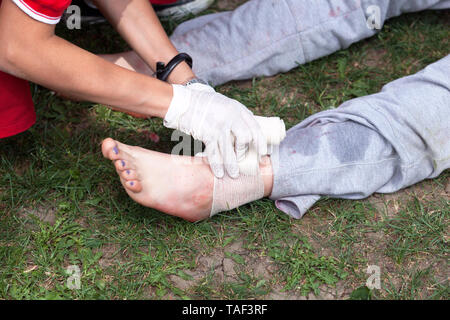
[163, 71]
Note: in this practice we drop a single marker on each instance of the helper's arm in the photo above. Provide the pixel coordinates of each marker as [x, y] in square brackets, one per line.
[138, 24]
[31, 50]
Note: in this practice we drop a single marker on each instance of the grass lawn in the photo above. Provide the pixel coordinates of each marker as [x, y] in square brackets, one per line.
[61, 203]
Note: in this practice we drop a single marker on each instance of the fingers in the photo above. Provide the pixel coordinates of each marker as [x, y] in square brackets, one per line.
[241, 151]
[242, 137]
[229, 156]
[214, 159]
[258, 137]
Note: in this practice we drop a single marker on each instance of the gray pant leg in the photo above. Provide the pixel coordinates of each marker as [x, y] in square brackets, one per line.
[378, 143]
[266, 37]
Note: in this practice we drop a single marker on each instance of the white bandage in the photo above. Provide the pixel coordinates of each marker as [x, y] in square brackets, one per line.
[249, 186]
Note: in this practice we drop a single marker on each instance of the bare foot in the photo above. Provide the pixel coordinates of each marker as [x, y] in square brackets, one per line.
[165, 182]
[177, 185]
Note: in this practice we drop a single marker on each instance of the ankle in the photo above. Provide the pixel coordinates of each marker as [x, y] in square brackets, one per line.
[267, 175]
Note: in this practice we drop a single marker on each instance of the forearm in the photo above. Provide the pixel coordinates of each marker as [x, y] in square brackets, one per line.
[73, 72]
[38, 55]
[138, 24]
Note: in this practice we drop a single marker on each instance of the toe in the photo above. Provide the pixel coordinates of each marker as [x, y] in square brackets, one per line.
[122, 164]
[109, 146]
[133, 185]
[118, 152]
[126, 149]
[128, 174]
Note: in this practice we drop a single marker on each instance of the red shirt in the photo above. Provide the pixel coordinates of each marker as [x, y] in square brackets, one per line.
[16, 106]
[50, 11]
[47, 11]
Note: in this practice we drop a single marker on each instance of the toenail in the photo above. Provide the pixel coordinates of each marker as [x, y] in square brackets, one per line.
[123, 163]
[128, 171]
[116, 151]
[131, 183]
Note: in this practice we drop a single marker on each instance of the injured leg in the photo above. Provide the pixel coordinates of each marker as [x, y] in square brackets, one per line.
[378, 143]
[176, 185]
[249, 186]
[188, 189]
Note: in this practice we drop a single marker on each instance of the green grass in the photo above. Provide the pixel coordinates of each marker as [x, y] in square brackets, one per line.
[417, 229]
[305, 270]
[61, 203]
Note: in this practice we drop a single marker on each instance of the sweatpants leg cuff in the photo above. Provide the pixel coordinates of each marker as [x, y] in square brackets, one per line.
[296, 207]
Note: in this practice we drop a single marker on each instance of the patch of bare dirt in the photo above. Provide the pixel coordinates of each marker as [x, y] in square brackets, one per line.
[388, 205]
[279, 294]
[375, 57]
[225, 264]
[341, 291]
[224, 268]
[111, 255]
[43, 213]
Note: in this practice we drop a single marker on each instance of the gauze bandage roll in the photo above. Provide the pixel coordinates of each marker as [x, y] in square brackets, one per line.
[249, 186]
[274, 131]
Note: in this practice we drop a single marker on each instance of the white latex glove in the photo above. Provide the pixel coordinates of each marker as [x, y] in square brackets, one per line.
[200, 87]
[224, 125]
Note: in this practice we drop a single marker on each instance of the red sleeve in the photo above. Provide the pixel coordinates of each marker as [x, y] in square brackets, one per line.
[47, 11]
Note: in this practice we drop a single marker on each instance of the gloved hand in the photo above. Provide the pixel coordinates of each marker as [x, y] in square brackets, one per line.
[224, 125]
[200, 87]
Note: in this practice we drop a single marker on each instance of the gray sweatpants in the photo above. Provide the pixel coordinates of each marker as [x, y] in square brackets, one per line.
[378, 143]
